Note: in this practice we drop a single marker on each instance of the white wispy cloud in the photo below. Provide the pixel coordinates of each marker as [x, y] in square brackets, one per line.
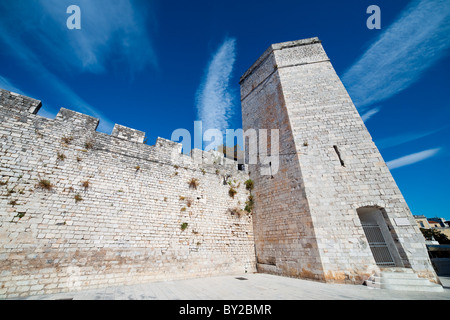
[7, 85]
[369, 114]
[108, 30]
[60, 89]
[76, 103]
[404, 138]
[35, 33]
[214, 97]
[401, 54]
[110, 33]
[412, 158]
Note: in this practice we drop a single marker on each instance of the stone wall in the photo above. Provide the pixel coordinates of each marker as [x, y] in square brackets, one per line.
[81, 209]
[329, 168]
[285, 240]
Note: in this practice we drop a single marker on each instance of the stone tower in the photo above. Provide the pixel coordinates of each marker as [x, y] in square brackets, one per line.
[332, 211]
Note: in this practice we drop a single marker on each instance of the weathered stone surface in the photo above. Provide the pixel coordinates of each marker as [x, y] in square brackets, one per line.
[125, 226]
[306, 220]
[81, 209]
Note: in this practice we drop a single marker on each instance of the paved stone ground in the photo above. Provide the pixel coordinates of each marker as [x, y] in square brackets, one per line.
[256, 287]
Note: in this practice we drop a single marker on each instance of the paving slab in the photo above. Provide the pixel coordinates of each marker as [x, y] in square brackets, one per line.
[246, 287]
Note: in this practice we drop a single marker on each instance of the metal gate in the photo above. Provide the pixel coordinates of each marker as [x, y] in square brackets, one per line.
[378, 245]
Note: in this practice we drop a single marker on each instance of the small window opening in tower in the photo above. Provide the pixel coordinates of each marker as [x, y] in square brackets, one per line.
[339, 155]
[270, 165]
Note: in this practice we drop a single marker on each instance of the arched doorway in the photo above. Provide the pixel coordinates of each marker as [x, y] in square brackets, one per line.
[379, 237]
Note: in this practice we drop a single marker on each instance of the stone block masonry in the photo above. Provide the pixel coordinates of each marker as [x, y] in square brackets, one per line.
[81, 209]
[332, 182]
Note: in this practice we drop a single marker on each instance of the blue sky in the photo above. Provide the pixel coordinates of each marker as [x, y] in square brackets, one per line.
[157, 66]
